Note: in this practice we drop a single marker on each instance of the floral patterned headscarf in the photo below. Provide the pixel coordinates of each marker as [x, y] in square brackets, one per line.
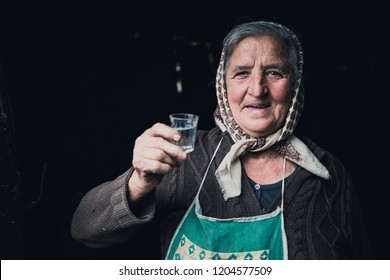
[282, 141]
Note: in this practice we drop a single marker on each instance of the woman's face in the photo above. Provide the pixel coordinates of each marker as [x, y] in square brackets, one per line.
[258, 85]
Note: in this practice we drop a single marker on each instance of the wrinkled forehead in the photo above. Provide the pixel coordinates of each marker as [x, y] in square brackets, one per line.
[272, 50]
[252, 47]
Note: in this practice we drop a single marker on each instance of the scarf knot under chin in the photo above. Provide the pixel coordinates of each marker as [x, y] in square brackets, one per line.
[229, 172]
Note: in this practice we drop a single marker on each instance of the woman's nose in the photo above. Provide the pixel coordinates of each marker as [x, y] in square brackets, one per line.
[257, 86]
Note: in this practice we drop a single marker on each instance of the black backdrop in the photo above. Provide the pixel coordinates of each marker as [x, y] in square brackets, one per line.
[85, 80]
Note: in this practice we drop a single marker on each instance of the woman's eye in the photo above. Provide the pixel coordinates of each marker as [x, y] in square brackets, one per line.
[242, 73]
[273, 73]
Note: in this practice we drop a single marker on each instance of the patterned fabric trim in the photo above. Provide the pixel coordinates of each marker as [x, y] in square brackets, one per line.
[188, 250]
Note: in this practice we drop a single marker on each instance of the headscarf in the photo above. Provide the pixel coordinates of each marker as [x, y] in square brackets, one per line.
[282, 141]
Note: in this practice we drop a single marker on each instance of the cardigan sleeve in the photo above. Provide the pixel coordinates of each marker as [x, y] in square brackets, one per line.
[103, 216]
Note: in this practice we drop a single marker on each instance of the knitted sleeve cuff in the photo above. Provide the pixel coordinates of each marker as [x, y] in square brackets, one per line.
[122, 212]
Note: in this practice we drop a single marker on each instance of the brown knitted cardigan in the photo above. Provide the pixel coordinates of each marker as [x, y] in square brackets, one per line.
[323, 219]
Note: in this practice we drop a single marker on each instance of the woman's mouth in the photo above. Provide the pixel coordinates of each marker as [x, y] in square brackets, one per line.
[257, 106]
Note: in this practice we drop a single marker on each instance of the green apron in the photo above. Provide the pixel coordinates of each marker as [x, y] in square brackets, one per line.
[199, 237]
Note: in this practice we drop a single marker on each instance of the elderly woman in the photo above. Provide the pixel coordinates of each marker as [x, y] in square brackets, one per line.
[251, 189]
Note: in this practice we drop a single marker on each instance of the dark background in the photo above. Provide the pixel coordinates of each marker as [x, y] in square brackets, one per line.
[83, 81]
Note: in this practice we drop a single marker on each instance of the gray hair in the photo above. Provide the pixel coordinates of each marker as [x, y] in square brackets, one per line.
[294, 56]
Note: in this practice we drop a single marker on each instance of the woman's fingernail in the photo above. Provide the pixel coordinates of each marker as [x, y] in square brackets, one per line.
[176, 137]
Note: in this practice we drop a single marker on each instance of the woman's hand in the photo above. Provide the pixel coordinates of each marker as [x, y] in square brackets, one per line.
[154, 155]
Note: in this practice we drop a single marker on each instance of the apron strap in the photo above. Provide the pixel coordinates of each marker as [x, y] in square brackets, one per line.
[284, 175]
[208, 167]
[284, 236]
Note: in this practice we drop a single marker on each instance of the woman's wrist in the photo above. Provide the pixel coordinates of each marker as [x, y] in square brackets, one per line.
[136, 188]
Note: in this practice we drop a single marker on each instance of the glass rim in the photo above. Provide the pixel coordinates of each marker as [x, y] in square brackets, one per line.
[183, 115]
